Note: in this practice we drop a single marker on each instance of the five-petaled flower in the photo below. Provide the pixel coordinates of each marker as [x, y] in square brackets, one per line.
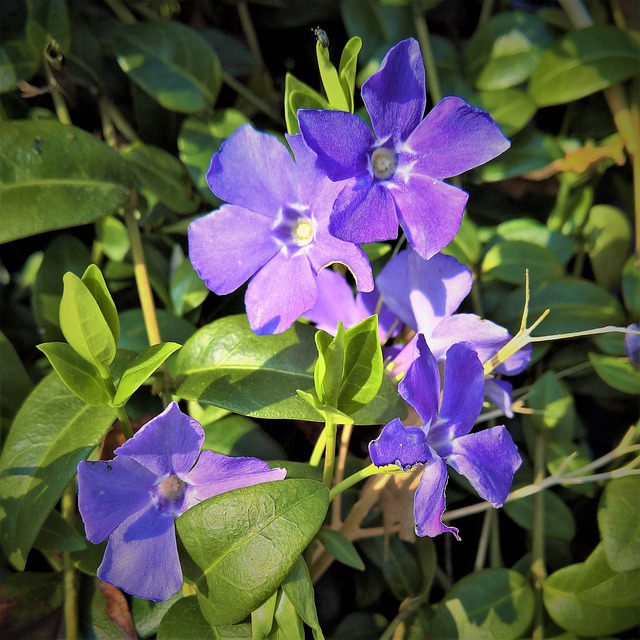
[488, 459]
[395, 172]
[135, 498]
[274, 229]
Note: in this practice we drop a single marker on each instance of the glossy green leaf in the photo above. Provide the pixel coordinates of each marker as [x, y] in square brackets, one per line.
[134, 335]
[558, 518]
[341, 548]
[184, 620]
[491, 603]
[551, 403]
[330, 80]
[200, 137]
[141, 368]
[298, 95]
[348, 68]
[618, 373]
[465, 247]
[228, 365]
[619, 522]
[288, 623]
[53, 431]
[326, 411]
[583, 62]
[242, 544]
[569, 611]
[58, 534]
[83, 324]
[54, 176]
[299, 590]
[171, 62]
[19, 60]
[163, 175]
[80, 377]
[49, 20]
[508, 260]
[512, 109]
[113, 237]
[607, 234]
[15, 383]
[504, 51]
[186, 288]
[94, 281]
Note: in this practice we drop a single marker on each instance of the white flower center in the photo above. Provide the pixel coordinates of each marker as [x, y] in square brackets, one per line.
[384, 163]
[303, 232]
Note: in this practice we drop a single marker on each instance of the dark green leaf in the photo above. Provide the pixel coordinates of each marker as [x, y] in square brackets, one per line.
[187, 289]
[134, 335]
[19, 60]
[583, 62]
[58, 534]
[299, 590]
[465, 247]
[54, 176]
[512, 109]
[53, 431]
[243, 543]
[94, 281]
[341, 548]
[184, 620]
[148, 615]
[235, 57]
[80, 377]
[508, 260]
[171, 62]
[491, 603]
[15, 383]
[552, 404]
[630, 288]
[49, 20]
[619, 522]
[618, 373]
[558, 518]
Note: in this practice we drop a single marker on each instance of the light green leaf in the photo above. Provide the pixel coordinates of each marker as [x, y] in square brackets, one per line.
[262, 617]
[186, 288]
[289, 624]
[551, 403]
[508, 260]
[512, 109]
[242, 544]
[327, 412]
[348, 69]
[184, 620]
[81, 377]
[330, 80]
[558, 518]
[583, 62]
[341, 548]
[54, 176]
[53, 431]
[113, 237]
[299, 589]
[94, 281]
[618, 373]
[298, 95]
[173, 63]
[491, 603]
[141, 368]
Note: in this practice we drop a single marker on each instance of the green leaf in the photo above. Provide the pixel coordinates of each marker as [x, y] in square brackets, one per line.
[298, 95]
[54, 176]
[134, 335]
[327, 412]
[186, 288]
[341, 548]
[607, 234]
[568, 610]
[504, 51]
[242, 544]
[19, 60]
[184, 620]
[491, 603]
[162, 174]
[94, 281]
[348, 69]
[141, 368]
[15, 383]
[466, 247]
[508, 260]
[619, 522]
[512, 109]
[262, 618]
[148, 615]
[113, 237]
[173, 63]
[80, 377]
[49, 20]
[53, 431]
[630, 288]
[618, 373]
[299, 590]
[583, 62]
[288, 622]
[551, 403]
[58, 534]
[558, 518]
[330, 80]
[83, 324]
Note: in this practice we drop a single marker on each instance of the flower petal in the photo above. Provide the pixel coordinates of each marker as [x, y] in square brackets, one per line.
[341, 140]
[488, 460]
[335, 303]
[280, 293]
[215, 473]
[455, 137]
[499, 392]
[253, 170]
[146, 566]
[420, 386]
[168, 444]
[364, 212]
[229, 245]
[395, 95]
[430, 212]
[400, 445]
[429, 502]
[111, 491]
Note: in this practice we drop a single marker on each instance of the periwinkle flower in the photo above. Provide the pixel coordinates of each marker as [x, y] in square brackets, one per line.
[396, 171]
[274, 229]
[135, 499]
[632, 345]
[488, 459]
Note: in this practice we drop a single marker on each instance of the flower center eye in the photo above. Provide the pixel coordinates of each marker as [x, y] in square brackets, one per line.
[294, 228]
[383, 163]
[304, 232]
[171, 493]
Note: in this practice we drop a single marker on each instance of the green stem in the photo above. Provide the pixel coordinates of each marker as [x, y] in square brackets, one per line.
[485, 11]
[422, 31]
[538, 568]
[69, 580]
[121, 412]
[363, 474]
[122, 12]
[330, 429]
[318, 449]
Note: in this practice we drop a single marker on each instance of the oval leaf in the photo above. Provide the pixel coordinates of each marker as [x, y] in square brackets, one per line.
[242, 544]
[94, 281]
[617, 372]
[508, 260]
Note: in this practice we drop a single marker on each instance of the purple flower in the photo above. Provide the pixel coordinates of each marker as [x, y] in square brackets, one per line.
[488, 459]
[396, 171]
[632, 345]
[135, 498]
[274, 231]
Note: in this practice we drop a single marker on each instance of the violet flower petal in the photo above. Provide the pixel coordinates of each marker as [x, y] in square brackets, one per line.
[429, 501]
[229, 245]
[280, 293]
[341, 140]
[400, 445]
[488, 460]
[364, 212]
[111, 491]
[335, 303]
[499, 392]
[455, 137]
[148, 567]
[395, 95]
[367, 304]
[429, 211]
[215, 473]
[167, 444]
[253, 170]
[420, 386]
